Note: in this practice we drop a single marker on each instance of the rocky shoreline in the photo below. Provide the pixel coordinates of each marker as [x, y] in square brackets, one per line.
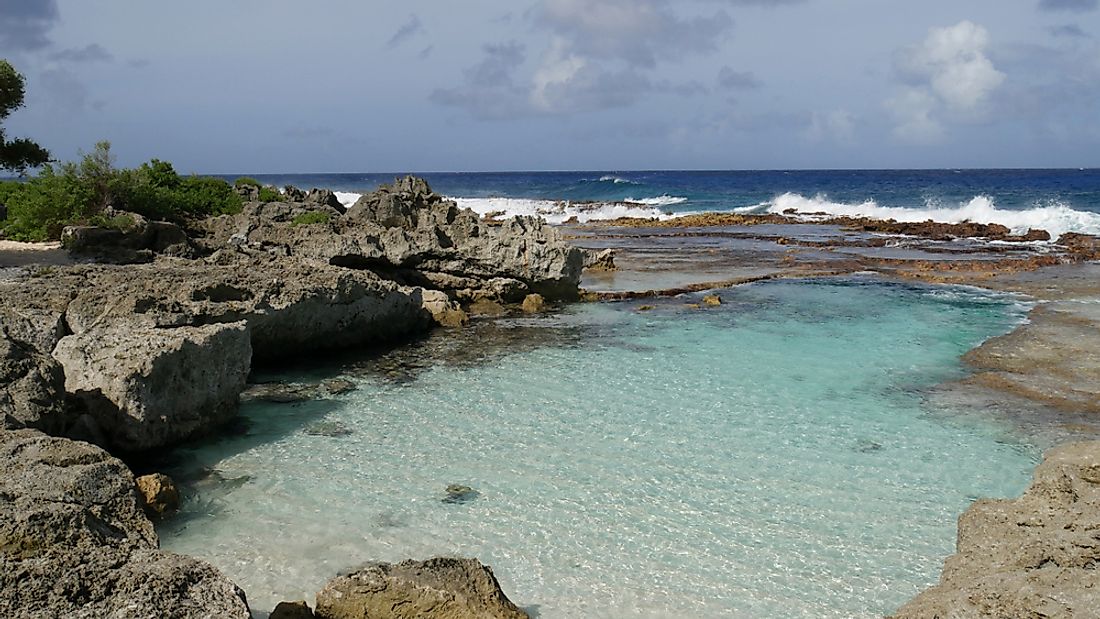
[149, 340]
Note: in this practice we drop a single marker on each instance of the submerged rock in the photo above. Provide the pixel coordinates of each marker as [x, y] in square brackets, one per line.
[338, 386]
[457, 493]
[158, 493]
[1034, 556]
[712, 300]
[442, 587]
[74, 541]
[332, 429]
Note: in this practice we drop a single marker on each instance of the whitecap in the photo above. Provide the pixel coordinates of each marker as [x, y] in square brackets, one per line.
[559, 211]
[1056, 218]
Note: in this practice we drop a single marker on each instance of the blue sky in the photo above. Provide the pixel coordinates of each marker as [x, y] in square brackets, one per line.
[352, 86]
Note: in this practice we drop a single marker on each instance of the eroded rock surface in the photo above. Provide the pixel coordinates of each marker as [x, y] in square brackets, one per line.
[410, 234]
[1031, 557]
[75, 543]
[440, 588]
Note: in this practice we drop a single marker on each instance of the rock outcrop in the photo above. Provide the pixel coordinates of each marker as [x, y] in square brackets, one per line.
[439, 588]
[131, 239]
[75, 543]
[1035, 556]
[415, 237]
[152, 387]
[153, 354]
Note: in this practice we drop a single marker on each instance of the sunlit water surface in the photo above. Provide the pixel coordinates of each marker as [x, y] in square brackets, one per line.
[773, 457]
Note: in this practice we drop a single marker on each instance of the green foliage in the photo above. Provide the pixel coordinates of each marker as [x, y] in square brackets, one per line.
[268, 194]
[19, 154]
[122, 222]
[247, 181]
[78, 192]
[312, 217]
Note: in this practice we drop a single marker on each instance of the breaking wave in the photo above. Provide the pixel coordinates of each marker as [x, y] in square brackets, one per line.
[560, 211]
[618, 180]
[1056, 218]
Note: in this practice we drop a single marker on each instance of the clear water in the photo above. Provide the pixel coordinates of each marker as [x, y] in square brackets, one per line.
[773, 457]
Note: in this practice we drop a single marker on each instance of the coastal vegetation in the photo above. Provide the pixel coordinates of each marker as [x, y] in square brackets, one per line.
[81, 192]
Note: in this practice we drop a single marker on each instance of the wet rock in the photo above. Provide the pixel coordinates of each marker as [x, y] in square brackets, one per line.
[74, 541]
[158, 494]
[1082, 246]
[485, 307]
[646, 308]
[291, 610]
[458, 494]
[1034, 556]
[712, 300]
[602, 260]
[441, 587]
[534, 303]
[444, 311]
[151, 387]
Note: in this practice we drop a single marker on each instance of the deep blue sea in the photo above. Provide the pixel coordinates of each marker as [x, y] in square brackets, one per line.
[1056, 200]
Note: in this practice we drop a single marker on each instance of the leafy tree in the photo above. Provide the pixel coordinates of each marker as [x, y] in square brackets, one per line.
[19, 154]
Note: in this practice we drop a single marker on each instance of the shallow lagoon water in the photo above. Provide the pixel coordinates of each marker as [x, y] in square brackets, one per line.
[776, 456]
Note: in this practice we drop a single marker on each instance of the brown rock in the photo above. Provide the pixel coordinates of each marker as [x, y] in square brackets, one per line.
[646, 308]
[441, 588]
[534, 303]
[158, 494]
[486, 307]
[712, 300]
[291, 610]
[1034, 556]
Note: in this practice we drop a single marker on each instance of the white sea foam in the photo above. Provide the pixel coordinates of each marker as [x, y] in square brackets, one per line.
[1055, 218]
[610, 178]
[559, 211]
[665, 200]
[347, 198]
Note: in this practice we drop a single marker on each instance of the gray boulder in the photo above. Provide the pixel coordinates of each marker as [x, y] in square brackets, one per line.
[147, 387]
[75, 543]
[1035, 556]
[441, 588]
[32, 388]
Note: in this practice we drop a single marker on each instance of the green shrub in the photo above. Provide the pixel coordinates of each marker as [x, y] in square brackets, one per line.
[75, 193]
[269, 194]
[312, 217]
[121, 222]
[247, 181]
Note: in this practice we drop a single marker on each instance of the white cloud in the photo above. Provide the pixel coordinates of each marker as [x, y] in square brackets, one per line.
[947, 74]
[836, 126]
[912, 109]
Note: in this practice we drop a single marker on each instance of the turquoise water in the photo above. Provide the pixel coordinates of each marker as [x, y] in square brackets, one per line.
[773, 457]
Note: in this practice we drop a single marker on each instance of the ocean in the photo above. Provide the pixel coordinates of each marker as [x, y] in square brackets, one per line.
[1058, 201]
[792, 453]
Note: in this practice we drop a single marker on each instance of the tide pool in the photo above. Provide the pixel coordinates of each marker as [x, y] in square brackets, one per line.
[776, 456]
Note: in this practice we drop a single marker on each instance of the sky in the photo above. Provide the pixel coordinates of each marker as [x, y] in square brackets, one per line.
[281, 86]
